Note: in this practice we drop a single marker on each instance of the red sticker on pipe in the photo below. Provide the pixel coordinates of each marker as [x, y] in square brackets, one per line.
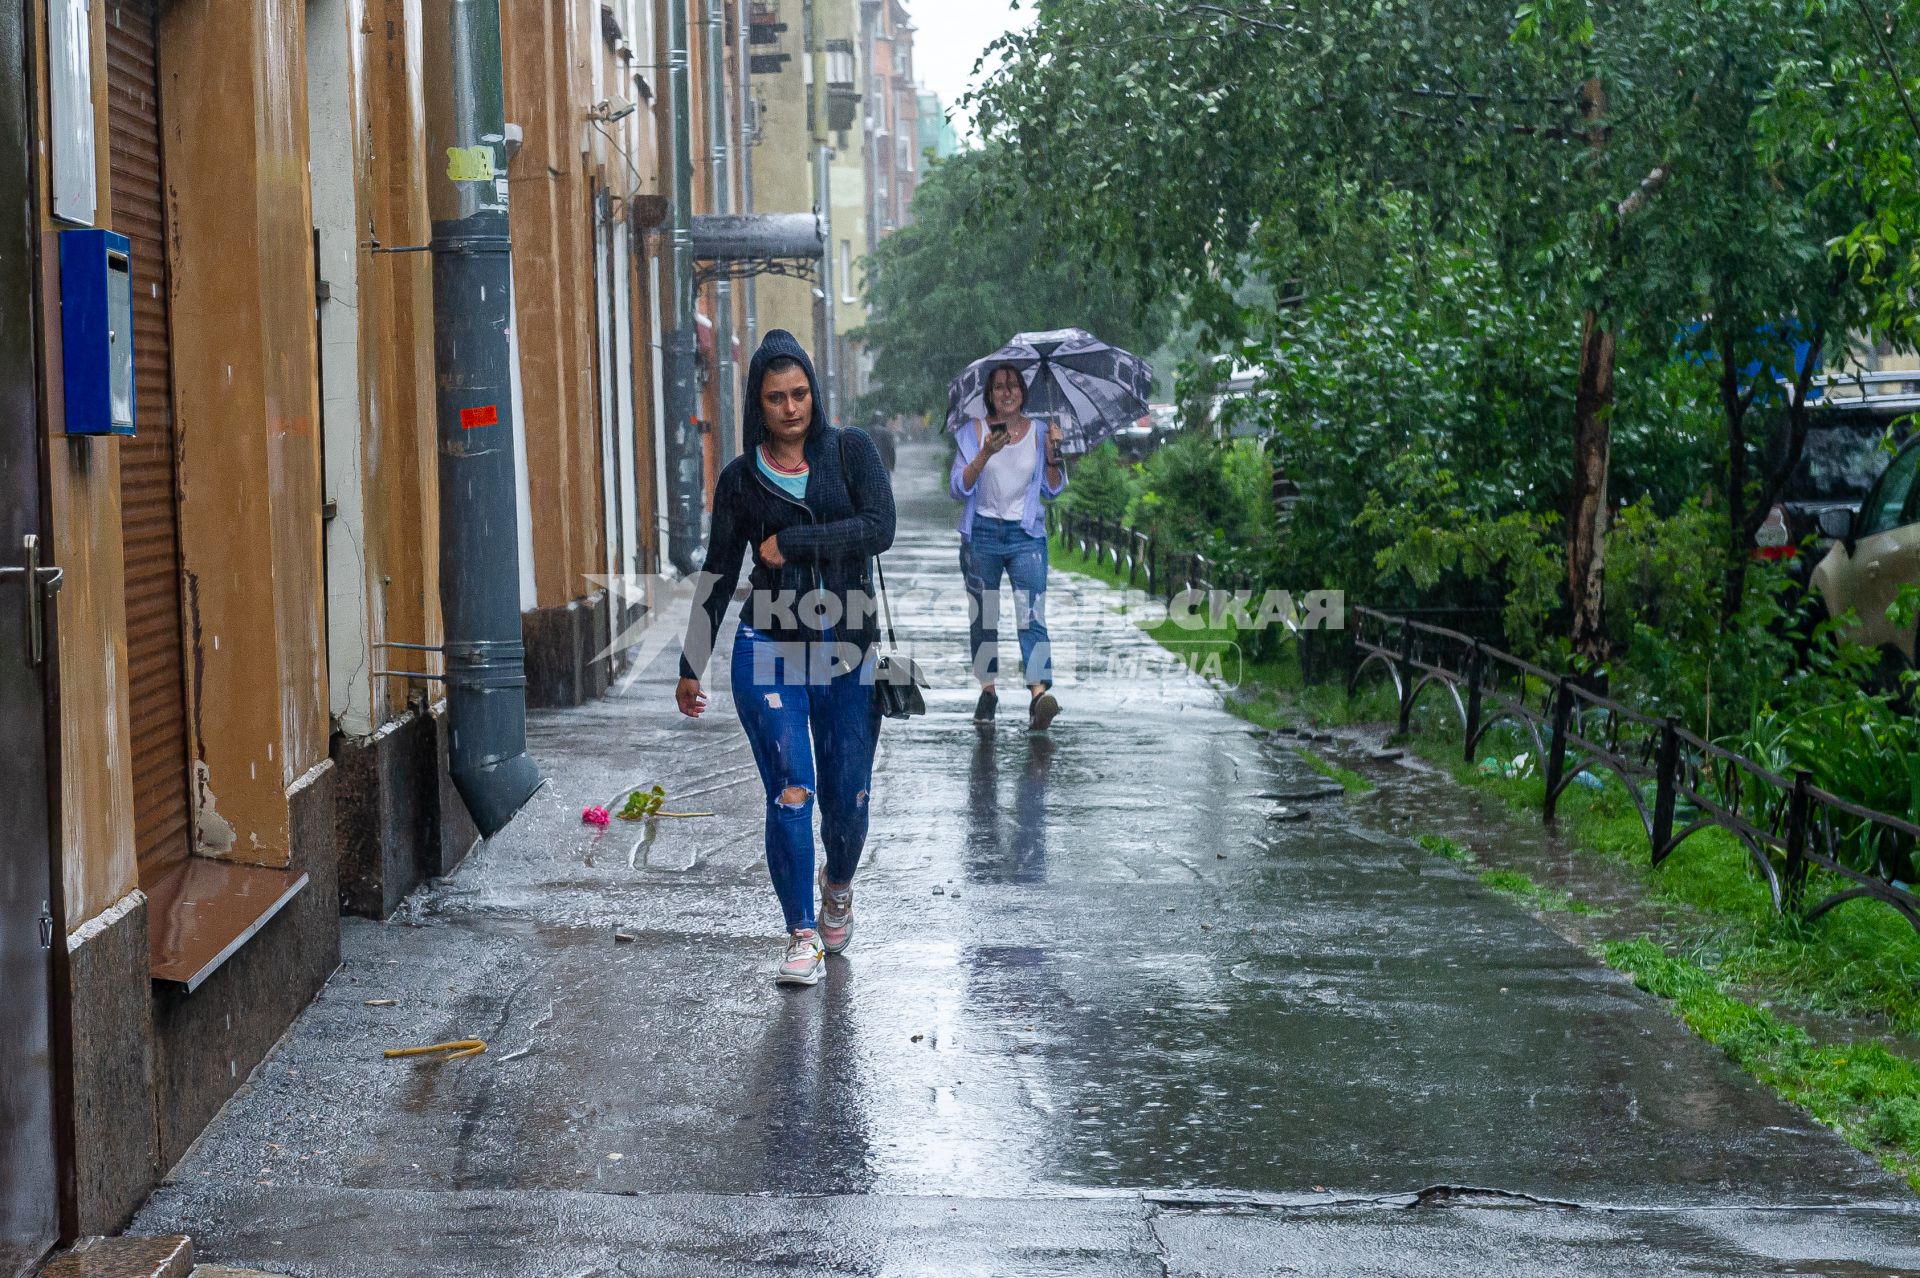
[485, 415]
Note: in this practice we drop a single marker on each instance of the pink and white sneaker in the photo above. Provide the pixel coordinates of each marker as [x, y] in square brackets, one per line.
[836, 916]
[804, 961]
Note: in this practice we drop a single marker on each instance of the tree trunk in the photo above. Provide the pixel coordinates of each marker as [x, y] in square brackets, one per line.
[1587, 520]
[1733, 586]
[1592, 439]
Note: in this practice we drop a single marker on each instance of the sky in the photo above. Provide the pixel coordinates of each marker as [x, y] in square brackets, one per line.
[949, 35]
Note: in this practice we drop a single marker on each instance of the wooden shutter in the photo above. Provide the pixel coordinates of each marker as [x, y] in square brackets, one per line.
[156, 657]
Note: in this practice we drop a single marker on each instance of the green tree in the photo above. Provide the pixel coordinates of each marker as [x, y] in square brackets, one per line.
[965, 277]
[1848, 110]
[1605, 163]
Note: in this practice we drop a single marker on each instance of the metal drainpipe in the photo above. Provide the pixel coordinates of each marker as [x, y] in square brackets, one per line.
[719, 131]
[826, 357]
[745, 54]
[823, 195]
[685, 459]
[472, 308]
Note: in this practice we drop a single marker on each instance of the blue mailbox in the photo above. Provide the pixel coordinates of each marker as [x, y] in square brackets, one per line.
[96, 326]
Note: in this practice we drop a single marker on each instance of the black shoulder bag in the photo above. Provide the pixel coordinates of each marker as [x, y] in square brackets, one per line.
[897, 681]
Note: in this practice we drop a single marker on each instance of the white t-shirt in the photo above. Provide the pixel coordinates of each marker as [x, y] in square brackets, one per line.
[1005, 479]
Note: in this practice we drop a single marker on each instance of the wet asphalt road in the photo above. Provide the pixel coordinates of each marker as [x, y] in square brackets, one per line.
[1102, 1015]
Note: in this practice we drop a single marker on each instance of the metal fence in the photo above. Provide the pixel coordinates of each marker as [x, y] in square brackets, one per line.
[1678, 783]
[1141, 559]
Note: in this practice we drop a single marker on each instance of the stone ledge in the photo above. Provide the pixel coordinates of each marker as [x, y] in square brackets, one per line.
[167, 1256]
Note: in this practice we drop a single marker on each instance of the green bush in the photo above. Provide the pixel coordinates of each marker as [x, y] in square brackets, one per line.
[1103, 485]
[1198, 495]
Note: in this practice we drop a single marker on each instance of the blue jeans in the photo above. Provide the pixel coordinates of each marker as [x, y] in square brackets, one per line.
[1003, 546]
[813, 734]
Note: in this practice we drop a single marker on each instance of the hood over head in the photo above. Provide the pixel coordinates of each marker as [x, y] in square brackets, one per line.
[753, 422]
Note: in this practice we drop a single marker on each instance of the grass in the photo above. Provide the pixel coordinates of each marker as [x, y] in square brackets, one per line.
[1863, 1091]
[1520, 888]
[1441, 845]
[1861, 960]
[1508, 883]
[1726, 958]
[1350, 781]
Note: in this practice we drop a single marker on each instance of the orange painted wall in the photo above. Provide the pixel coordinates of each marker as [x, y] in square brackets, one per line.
[546, 90]
[534, 36]
[243, 348]
[577, 297]
[83, 483]
[396, 353]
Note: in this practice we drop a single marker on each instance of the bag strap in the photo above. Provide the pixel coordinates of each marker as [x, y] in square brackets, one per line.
[886, 608]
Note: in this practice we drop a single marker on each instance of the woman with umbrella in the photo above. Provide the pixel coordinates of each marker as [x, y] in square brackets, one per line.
[1006, 466]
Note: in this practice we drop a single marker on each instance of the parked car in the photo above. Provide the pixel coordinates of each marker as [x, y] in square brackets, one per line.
[1845, 447]
[1227, 423]
[1135, 442]
[1875, 551]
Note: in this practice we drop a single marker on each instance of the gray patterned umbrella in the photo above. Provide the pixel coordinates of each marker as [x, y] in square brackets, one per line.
[1090, 388]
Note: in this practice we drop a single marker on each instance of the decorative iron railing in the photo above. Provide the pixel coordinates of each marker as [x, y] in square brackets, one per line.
[1143, 560]
[1679, 784]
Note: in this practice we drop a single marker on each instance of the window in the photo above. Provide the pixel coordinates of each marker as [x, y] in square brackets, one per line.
[1887, 504]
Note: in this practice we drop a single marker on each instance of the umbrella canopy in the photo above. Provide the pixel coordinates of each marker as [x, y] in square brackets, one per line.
[1090, 388]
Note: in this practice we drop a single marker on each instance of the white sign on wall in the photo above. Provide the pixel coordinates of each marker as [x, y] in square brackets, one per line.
[70, 55]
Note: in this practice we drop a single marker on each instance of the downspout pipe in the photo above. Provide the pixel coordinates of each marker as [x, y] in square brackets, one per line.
[685, 456]
[473, 405]
[827, 358]
[719, 134]
[744, 53]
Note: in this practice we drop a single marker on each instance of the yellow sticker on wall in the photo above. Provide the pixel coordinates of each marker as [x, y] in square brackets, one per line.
[470, 163]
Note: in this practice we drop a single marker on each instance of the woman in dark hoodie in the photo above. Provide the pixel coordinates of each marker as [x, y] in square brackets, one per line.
[814, 506]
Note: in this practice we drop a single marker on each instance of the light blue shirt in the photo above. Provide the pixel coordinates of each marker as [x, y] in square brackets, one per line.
[795, 486]
[1033, 519]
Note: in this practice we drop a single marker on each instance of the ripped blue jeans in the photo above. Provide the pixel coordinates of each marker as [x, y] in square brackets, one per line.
[813, 734]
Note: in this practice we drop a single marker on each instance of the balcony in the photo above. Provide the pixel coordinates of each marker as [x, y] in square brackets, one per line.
[843, 97]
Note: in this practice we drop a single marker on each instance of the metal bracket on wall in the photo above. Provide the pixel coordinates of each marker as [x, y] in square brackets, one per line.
[750, 268]
[411, 674]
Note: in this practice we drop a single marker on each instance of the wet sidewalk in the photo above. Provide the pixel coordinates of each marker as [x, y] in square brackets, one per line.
[1102, 1016]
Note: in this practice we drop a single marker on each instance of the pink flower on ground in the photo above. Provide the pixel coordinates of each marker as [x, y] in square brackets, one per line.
[596, 816]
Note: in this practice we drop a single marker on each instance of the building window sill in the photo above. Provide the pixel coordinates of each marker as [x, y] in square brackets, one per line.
[203, 912]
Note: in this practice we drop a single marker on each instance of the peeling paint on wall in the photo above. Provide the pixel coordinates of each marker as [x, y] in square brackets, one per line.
[212, 835]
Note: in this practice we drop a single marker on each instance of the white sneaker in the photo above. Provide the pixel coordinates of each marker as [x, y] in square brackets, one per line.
[836, 917]
[804, 962]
